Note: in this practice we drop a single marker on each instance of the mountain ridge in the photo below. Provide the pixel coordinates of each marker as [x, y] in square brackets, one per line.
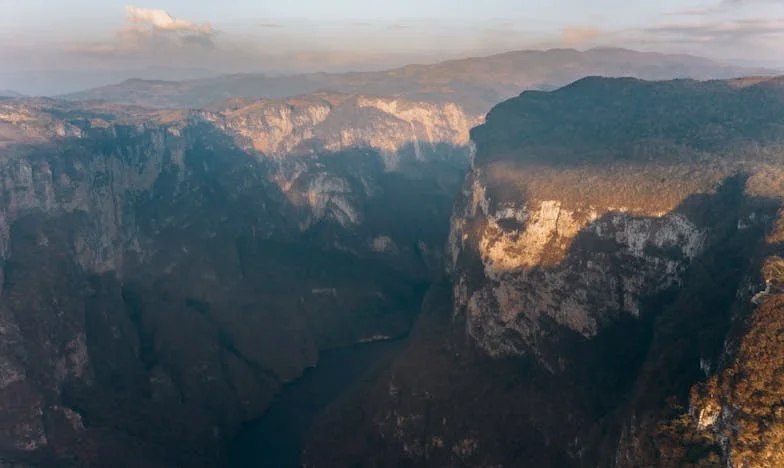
[475, 83]
[9, 93]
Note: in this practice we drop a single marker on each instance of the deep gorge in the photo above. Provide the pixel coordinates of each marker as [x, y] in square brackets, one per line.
[571, 286]
[278, 437]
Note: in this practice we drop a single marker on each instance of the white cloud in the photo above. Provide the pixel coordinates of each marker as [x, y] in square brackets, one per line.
[749, 2]
[149, 31]
[161, 20]
[722, 6]
[732, 30]
[755, 40]
[155, 37]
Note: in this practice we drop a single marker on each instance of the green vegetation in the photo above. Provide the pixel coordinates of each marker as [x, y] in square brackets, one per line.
[595, 121]
[773, 270]
[750, 388]
[682, 444]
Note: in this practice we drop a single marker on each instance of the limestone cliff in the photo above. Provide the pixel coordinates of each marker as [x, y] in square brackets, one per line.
[161, 279]
[603, 237]
[579, 239]
[335, 122]
[332, 152]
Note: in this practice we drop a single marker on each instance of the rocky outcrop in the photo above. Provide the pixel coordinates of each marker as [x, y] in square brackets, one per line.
[162, 280]
[603, 239]
[736, 411]
[536, 270]
[731, 417]
[333, 153]
[580, 244]
[335, 122]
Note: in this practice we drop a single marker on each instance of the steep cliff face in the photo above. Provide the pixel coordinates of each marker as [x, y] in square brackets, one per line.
[335, 122]
[537, 271]
[161, 280]
[731, 417]
[603, 240]
[351, 159]
[589, 238]
[735, 415]
[117, 269]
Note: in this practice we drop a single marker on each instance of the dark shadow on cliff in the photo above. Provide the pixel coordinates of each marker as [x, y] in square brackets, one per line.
[624, 337]
[569, 412]
[217, 299]
[409, 207]
[601, 142]
[405, 198]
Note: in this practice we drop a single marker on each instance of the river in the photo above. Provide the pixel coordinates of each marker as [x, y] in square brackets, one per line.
[275, 440]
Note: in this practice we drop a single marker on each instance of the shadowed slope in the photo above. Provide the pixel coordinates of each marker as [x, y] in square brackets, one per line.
[598, 250]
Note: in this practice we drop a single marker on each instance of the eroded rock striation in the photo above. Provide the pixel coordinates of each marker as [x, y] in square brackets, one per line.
[602, 260]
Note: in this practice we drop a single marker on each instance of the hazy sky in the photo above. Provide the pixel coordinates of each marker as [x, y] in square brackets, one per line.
[111, 37]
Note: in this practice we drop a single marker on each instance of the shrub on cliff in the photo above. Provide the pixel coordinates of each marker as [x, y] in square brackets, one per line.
[773, 270]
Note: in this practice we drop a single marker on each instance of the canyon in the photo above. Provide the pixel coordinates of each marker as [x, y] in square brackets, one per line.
[164, 278]
[587, 275]
[596, 307]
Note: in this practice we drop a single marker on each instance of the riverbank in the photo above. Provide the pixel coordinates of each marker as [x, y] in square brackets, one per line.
[275, 440]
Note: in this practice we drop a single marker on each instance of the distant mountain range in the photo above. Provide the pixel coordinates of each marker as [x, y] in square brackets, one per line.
[7, 93]
[474, 83]
[51, 82]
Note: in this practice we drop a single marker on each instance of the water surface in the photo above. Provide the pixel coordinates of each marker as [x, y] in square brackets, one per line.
[275, 440]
